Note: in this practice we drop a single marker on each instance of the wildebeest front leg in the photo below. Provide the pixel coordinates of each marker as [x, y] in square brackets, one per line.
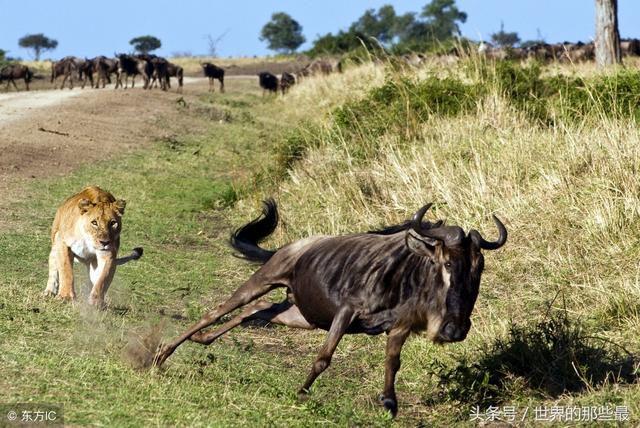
[247, 292]
[396, 339]
[339, 326]
[279, 313]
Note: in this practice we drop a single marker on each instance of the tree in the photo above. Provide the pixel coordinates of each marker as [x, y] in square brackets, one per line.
[282, 33]
[145, 44]
[213, 43]
[380, 25]
[441, 19]
[607, 42]
[38, 42]
[505, 39]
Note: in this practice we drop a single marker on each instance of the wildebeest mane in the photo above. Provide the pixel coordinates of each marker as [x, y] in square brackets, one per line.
[390, 230]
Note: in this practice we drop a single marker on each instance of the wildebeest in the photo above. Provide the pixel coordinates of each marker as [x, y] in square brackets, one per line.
[212, 71]
[65, 67]
[414, 277]
[129, 65]
[156, 70]
[85, 71]
[268, 82]
[630, 47]
[105, 67]
[287, 80]
[174, 70]
[16, 71]
[318, 66]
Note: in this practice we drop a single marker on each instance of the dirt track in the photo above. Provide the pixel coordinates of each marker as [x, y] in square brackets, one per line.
[48, 133]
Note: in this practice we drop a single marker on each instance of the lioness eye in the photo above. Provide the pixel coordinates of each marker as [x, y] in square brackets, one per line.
[114, 223]
[447, 265]
[95, 223]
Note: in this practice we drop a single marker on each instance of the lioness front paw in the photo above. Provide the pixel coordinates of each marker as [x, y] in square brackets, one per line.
[66, 296]
[98, 302]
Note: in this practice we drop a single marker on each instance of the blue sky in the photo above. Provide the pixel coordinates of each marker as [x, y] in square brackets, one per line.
[90, 28]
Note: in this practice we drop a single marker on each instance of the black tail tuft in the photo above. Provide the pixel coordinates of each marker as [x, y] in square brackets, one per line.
[136, 253]
[245, 240]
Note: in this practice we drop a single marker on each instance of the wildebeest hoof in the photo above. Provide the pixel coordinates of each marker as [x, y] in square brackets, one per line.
[303, 395]
[162, 353]
[390, 404]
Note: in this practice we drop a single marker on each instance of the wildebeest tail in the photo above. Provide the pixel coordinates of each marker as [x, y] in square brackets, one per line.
[245, 239]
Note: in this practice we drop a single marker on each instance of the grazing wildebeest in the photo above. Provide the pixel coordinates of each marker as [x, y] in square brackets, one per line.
[176, 71]
[65, 67]
[129, 65]
[287, 80]
[408, 278]
[212, 71]
[16, 71]
[105, 67]
[268, 82]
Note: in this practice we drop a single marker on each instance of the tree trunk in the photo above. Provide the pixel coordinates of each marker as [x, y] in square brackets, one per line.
[607, 37]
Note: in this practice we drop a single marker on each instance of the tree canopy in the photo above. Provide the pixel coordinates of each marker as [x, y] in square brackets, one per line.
[436, 23]
[282, 33]
[505, 39]
[145, 44]
[38, 43]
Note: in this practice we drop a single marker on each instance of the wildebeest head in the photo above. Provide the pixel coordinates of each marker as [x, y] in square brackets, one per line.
[455, 262]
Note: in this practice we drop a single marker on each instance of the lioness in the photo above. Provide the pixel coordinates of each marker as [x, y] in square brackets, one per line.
[86, 228]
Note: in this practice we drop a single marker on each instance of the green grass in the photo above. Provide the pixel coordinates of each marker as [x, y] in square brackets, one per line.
[341, 163]
[179, 195]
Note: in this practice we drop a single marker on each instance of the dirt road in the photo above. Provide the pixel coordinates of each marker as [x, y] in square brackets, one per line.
[48, 133]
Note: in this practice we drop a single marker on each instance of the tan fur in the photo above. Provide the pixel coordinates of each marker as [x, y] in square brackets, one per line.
[86, 228]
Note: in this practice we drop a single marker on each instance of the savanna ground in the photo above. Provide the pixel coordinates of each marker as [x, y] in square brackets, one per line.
[557, 319]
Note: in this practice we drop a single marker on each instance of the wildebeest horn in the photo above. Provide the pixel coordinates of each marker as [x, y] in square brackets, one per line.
[486, 245]
[449, 235]
[416, 221]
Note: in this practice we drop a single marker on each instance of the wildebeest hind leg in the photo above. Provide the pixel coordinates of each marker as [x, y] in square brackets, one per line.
[254, 288]
[339, 326]
[283, 313]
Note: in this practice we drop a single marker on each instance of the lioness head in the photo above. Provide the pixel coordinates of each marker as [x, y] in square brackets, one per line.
[101, 221]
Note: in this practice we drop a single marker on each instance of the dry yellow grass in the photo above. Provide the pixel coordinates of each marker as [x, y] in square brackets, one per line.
[568, 193]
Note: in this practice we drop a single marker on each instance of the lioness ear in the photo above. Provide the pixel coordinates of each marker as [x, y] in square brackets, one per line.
[84, 205]
[421, 245]
[119, 206]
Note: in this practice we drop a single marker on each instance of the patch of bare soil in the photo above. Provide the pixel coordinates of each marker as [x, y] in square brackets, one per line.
[45, 134]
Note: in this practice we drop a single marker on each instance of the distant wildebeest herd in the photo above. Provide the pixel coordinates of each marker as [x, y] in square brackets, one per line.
[154, 71]
[157, 71]
[270, 83]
